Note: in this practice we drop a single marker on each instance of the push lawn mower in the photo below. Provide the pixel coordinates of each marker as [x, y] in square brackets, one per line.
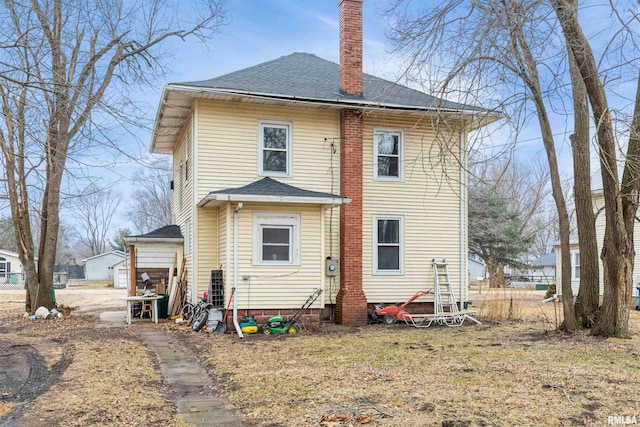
[395, 313]
[277, 325]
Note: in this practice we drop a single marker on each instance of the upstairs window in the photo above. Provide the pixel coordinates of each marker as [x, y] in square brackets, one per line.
[388, 152]
[275, 148]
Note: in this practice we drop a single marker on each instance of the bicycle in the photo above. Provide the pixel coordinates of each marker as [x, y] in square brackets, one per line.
[196, 315]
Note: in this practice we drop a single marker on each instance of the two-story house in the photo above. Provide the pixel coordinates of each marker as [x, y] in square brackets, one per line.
[299, 173]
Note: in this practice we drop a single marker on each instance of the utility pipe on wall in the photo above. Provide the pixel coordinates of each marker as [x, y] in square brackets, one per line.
[235, 271]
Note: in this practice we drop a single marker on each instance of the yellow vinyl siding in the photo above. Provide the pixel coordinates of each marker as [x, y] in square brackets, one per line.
[227, 146]
[182, 199]
[182, 189]
[276, 286]
[226, 156]
[207, 244]
[428, 199]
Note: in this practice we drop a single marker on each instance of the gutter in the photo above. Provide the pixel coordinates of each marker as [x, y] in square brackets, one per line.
[176, 240]
[355, 103]
[219, 197]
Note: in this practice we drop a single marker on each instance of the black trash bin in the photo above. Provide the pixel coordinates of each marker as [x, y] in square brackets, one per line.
[163, 306]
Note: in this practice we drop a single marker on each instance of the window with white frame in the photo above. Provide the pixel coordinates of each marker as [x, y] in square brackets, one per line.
[5, 266]
[575, 265]
[186, 159]
[276, 238]
[275, 148]
[388, 244]
[388, 152]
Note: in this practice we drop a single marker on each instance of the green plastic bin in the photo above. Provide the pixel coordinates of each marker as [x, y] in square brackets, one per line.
[163, 306]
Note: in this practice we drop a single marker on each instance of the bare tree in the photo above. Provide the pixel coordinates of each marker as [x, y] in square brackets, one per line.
[151, 206]
[7, 235]
[621, 198]
[588, 299]
[65, 69]
[490, 48]
[94, 213]
[67, 238]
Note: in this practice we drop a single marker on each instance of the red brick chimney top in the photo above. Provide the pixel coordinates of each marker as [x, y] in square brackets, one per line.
[351, 47]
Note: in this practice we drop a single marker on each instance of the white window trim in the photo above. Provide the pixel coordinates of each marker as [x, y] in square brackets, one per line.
[400, 176]
[275, 123]
[276, 219]
[187, 237]
[376, 271]
[573, 264]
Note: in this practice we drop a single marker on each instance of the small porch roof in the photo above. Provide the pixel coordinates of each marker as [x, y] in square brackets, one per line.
[166, 234]
[268, 190]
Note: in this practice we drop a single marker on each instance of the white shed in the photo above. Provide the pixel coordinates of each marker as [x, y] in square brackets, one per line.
[158, 253]
[100, 267]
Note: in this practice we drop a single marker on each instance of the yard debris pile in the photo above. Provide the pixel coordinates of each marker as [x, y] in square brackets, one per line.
[44, 313]
[363, 413]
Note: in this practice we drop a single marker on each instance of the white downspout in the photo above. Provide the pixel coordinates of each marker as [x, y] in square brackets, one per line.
[463, 220]
[235, 271]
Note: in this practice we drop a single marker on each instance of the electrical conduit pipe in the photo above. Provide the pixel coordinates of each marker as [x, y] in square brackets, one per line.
[235, 271]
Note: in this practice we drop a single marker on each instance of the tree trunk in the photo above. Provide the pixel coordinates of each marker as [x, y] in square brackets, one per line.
[531, 77]
[588, 299]
[617, 252]
[569, 323]
[496, 274]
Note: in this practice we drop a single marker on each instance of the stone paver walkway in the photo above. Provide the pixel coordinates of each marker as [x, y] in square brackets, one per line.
[190, 388]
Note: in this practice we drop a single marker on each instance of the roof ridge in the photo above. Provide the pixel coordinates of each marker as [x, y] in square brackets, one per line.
[252, 67]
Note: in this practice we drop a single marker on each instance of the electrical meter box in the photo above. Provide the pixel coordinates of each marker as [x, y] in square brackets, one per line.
[332, 267]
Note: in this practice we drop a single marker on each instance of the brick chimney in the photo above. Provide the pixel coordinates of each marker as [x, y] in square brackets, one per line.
[351, 302]
[351, 47]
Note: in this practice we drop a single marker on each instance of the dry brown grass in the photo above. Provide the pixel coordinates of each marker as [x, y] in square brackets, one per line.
[508, 373]
[514, 373]
[506, 304]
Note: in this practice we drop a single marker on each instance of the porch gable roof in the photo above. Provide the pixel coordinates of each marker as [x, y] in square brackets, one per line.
[166, 234]
[268, 190]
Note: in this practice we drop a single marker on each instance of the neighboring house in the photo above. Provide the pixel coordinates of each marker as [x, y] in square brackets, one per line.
[476, 268]
[99, 267]
[286, 168]
[10, 263]
[12, 275]
[598, 206]
[544, 267]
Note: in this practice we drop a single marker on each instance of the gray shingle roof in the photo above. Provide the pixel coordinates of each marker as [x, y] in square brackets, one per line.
[545, 260]
[270, 187]
[306, 76]
[166, 232]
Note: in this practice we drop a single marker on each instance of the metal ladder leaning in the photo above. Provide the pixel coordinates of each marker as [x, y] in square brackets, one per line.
[445, 307]
[444, 299]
